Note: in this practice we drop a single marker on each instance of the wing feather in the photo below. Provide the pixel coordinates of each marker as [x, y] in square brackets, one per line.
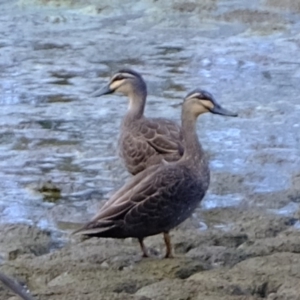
[141, 198]
[166, 136]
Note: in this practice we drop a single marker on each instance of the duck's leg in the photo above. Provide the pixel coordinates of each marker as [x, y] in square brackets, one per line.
[167, 239]
[143, 248]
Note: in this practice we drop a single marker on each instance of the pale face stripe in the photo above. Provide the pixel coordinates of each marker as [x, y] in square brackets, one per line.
[206, 103]
[195, 95]
[116, 82]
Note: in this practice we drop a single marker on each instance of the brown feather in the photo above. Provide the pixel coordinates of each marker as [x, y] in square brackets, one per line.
[161, 196]
[144, 142]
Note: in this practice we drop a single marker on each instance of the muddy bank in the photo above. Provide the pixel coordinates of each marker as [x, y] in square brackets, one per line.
[256, 258]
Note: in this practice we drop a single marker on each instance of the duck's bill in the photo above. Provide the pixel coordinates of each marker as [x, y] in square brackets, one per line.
[101, 92]
[217, 109]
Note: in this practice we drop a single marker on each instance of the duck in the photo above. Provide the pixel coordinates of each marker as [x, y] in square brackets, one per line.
[143, 142]
[162, 196]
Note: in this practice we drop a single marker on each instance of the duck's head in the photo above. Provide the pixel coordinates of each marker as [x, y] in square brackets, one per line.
[200, 101]
[125, 81]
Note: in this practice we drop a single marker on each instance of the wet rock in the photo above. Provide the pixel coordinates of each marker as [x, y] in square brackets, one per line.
[49, 190]
[226, 183]
[263, 225]
[256, 276]
[112, 268]
[166, 289]
[186, 290]
[55, 19]
[217, 256]
[190, 268]
[290, 243]
[186, 240]
[16, 240]
[292, 5]
[49, 45]
[61, 280]
[250, 16]
[249, 221]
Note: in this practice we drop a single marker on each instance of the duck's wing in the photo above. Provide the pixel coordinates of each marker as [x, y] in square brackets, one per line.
[163, 135]
[146, 195]
[136, 191]
[120, 202]
[127, 187]
[147, 142]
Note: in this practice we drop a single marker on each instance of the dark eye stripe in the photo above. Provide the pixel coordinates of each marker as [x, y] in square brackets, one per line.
[206, 95]
[118, 77]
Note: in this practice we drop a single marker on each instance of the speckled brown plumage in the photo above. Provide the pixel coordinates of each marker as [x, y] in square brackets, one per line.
[162, 196]
[143, 142]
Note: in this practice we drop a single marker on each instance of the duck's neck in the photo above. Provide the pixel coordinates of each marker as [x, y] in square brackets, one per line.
[193, 150]
[137, 101]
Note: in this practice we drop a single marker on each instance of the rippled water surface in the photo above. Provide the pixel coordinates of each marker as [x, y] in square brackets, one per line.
[53, 133]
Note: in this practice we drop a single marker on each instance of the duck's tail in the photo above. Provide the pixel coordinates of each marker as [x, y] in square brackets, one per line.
[97, 229]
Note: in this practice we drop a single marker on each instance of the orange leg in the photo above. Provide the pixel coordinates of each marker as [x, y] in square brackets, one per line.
[168, 245]
[143, 248]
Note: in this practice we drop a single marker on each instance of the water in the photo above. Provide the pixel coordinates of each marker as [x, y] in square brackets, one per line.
[52, 58]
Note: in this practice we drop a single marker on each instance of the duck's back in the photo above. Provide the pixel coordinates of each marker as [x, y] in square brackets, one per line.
[145, 142]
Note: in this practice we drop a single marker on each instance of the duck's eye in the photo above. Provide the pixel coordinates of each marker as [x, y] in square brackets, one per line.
[200, 96]
[206, 97]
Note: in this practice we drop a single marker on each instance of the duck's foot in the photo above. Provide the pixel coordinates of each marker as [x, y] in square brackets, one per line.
[167, 240]
[143, 248]
[169, 255]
